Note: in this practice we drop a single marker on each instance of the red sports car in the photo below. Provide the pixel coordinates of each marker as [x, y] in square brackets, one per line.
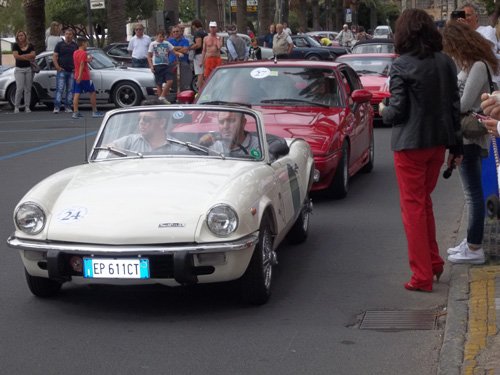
[321, 102]
[373, 69]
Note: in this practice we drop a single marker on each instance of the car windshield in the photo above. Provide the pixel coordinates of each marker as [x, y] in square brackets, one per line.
[381, 31]
[373, 48]
[368, 65]
[195, 132]
[100, 60]
[273, 86]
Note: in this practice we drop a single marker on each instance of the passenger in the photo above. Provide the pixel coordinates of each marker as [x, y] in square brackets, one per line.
[424, 111]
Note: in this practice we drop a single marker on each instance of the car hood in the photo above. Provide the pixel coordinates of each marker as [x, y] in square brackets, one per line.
[317, 126]
[139, 201]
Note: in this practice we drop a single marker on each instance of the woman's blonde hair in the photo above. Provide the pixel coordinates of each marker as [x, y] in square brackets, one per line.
[55, 28]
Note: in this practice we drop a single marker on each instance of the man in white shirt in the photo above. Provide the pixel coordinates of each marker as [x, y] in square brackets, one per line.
[138, 47]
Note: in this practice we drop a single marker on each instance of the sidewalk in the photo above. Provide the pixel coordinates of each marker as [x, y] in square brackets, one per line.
[471, 344]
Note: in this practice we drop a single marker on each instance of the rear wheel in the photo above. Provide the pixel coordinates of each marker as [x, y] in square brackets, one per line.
[313, 58]
[11, 97]
[126, 94]
[340, 183]
[41, 286]
[257, 280]
[493, 207]
[300, 229]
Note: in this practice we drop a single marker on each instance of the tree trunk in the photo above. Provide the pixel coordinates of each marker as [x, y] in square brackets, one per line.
[339, 19]
[265, 19]
[328, 15]
[303, 14]
[117, 19]
[241, 16]
[315, 14]
[34, 14]
[211, 12]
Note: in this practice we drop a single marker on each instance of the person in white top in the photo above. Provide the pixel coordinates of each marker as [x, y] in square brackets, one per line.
[138, 47]
[286, 29]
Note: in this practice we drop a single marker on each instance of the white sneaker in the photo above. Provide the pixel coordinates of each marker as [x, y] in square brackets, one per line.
[68, 110]
[16, 110]
[468, 256]
[459, 248]
[56, 110]
[27, 110]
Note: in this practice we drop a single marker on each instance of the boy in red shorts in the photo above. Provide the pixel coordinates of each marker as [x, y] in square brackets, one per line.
[82, 82]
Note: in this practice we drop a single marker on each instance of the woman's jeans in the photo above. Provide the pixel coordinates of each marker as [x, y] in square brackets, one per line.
[471, 177]
[64, 81]
[24, 81]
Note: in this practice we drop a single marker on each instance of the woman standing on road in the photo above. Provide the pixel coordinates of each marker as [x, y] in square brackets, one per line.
[23, 53]
[424, 110]
[477, 64]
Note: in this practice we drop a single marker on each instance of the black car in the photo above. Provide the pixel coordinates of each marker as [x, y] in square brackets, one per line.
[306, 47]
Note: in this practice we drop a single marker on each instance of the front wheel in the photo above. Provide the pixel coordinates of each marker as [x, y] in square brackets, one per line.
[41, 286]
[257, 280]
[126, 94]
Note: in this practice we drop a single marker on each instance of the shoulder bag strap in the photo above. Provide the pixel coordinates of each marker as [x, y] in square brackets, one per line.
[490, 81]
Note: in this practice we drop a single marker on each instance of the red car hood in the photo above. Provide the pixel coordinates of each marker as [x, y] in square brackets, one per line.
[317, 126]
[374, 83]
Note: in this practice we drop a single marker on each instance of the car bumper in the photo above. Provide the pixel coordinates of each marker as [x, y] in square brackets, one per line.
[326, 165]
[169, 265]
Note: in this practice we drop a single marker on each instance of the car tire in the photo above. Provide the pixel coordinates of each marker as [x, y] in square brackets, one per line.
[11, 97]
[257, 280]
[313, 58]
[41, 286]
[368, 167]
[300, 230]
[340, 184]
[194, 83]
[126, 94]
[493, 207]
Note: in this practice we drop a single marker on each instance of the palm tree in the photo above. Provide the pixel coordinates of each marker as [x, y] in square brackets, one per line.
[211, 11]
[34, 13]
[241, 16]
[117, 18]
[265, 16]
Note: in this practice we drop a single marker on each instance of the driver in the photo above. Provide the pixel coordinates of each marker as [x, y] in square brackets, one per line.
[234, 140]
[151, 136]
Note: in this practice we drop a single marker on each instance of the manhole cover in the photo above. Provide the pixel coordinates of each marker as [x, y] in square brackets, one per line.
[399, 320]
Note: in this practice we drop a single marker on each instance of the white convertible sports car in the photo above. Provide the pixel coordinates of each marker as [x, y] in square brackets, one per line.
[171, 195]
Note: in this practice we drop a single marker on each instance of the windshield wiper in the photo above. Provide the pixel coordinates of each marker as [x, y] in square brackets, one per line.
[295, 101]
[222, 102]
[197, 147]
[119, 151]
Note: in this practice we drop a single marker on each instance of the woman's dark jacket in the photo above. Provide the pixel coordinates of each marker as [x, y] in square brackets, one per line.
[424, 107]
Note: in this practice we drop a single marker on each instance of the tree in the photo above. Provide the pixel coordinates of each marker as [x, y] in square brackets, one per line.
[34, 12]
[241, 16]
[11, 17]
[117, 19]
[264, 16]
[211, 11]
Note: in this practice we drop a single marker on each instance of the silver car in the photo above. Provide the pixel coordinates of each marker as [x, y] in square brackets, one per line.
[125, 87]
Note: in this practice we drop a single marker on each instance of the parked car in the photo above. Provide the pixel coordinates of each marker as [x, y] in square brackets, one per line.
[383, 31]
[125, 87]
[373, 70]
[318, 35]
[374, 46]
[308, 48]
[179, 214]
[319, 101]
[118, 51]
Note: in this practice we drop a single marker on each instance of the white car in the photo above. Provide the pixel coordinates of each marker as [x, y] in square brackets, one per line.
[200, 207]
[123, 86]
[383, 32]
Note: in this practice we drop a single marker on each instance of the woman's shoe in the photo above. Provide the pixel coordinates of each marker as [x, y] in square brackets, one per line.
[437, 275]
[414, 288]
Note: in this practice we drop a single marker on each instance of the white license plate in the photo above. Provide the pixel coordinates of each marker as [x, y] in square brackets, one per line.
[95, 268]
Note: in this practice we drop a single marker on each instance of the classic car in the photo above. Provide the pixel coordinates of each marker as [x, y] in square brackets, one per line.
[172, 195]
[125, 87]
[375, 45]
[321, 102]
[383, 32]
[373, 70]
[318, 35]
[308, 48]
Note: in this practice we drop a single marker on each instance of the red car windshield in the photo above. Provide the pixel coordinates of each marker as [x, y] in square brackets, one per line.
[272, 86]
[368, 65]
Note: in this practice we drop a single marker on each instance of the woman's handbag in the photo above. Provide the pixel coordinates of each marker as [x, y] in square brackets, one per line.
[35, 68]
[471, 127]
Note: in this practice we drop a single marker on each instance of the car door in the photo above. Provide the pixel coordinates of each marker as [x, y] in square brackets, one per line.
[359, 119]
[46, 78]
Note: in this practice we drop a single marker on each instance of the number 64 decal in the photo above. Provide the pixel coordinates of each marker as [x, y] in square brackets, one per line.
[72, 214]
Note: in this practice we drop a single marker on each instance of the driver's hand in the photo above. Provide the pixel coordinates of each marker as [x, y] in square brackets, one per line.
[207, 140]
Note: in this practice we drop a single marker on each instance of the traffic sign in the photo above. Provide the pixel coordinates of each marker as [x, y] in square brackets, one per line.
[97, 4]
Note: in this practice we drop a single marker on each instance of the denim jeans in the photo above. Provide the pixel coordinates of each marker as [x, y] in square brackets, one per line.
[64, 80]
[471, 177]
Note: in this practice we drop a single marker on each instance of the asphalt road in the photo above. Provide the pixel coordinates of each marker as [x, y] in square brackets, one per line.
[354, 261]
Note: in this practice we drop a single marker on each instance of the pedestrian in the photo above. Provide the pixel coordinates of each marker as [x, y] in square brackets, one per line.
[64, 65]
[424, 111]
[282, 43]
[286, 29]
[362, 35]
[138, 47]
[159, 62]
[24, 53]
[236, 46]
[82, 82]
[212, 45]
[476, 61]
[197, 47]
[255, 53]
[54, 36]
[181, 44]
[268, 38]
[345, 37]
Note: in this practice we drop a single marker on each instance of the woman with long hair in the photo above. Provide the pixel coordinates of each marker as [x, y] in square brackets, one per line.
[424, 111]
[477, 64]
[23, 53]
[54, 36]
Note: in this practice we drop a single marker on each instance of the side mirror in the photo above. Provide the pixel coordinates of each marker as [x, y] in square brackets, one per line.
[361, 96]
[186, 97]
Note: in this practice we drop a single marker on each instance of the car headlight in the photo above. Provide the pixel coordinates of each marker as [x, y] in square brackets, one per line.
[30, 218]
[222, 220]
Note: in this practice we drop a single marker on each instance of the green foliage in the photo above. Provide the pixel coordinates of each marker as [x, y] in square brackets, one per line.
[12, 18]
[187, 10]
